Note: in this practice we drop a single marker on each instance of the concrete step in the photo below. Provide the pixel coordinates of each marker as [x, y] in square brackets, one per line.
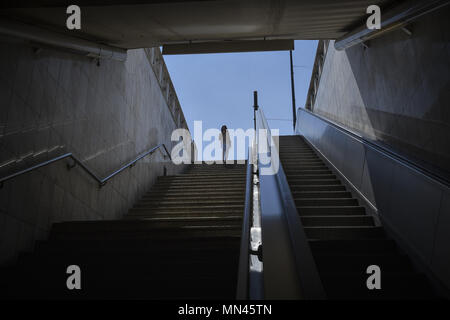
[331, 210]
[199, 180]
[323, 202]
[196, 188]
[193, 183]
[209, 174]
[159, 233]
[187, 220]
[221, 170]
[132, 245]
[337, 220]
[181, 203]
[194, 193]
[237, 196]
[214, 171]
[194, 177]
[344, 232]
[190, 208]
[131, 225]
[138, 246]
[216, 166]
[185, 214]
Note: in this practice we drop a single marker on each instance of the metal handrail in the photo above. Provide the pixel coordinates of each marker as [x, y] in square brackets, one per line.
[384, 150]
[77, 161]
[397, 17]
[243, 271]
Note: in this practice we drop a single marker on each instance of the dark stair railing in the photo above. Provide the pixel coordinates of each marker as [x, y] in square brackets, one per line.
[289, 271]
[76, 161]
[242, 290]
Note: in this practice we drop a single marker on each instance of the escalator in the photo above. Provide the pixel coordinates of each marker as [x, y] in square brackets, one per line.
[181, 240]
[344, 240]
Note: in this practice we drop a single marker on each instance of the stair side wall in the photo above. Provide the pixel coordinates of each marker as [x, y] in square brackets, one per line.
[54, 102]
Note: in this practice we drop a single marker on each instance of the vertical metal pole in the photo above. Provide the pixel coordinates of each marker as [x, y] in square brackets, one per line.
[255, 107]
[294, 116]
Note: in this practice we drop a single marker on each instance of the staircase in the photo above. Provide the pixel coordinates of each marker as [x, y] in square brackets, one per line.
[344, 240]
[180, 241]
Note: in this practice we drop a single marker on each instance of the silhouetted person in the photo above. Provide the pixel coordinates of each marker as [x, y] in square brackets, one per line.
[225, 141]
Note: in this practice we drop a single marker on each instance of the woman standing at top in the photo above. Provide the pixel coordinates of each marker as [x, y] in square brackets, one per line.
[225, 141]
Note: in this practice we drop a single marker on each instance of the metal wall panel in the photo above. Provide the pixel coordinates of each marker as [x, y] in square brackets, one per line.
[441, 254]
[414, 209]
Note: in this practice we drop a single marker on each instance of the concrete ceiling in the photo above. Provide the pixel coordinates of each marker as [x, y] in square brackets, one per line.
[140, 23]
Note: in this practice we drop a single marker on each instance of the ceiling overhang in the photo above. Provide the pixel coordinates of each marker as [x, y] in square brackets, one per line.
[147, 23]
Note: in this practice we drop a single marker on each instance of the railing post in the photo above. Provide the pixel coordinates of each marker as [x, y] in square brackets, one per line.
[255, 108]
[71, 166]
[294, 116]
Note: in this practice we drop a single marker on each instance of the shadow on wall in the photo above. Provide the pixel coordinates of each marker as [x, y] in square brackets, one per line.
[404, 84]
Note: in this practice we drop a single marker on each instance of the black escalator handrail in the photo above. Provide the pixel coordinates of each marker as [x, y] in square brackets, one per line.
[384, 150]
[101, 181]
[307, 276]
[243, 271]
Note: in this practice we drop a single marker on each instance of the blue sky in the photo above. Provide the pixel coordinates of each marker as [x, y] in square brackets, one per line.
[218, 88]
